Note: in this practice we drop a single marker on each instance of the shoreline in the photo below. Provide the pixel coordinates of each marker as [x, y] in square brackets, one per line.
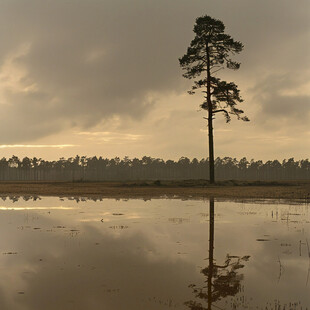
[298, 191]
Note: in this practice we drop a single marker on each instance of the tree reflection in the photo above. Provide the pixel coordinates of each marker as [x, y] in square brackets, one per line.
[222, 280]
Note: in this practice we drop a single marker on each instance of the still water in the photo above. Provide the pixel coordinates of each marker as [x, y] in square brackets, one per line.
[157, 254]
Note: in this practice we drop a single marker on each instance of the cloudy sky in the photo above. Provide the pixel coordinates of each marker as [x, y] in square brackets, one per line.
[101, 77]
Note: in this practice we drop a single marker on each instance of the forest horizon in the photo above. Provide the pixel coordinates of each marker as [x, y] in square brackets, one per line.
[83, 168]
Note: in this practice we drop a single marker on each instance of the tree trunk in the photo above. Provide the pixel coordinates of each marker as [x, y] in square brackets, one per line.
[210, 118]
[211, 249]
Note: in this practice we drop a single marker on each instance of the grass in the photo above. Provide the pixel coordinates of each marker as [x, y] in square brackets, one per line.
[298, 190]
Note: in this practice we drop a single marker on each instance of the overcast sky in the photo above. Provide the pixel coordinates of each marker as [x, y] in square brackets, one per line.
[101, 77]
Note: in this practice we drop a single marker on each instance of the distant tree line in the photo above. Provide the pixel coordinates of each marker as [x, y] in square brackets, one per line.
[82, 168]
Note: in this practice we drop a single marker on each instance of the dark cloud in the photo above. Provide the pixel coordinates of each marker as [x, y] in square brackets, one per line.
[282, 101]
[84, 63]
[77, 63]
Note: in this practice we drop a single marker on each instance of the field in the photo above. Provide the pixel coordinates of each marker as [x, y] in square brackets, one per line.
[153, 189]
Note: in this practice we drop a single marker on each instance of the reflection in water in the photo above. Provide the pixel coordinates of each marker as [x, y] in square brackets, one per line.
[222, 280]
[60, 254]
[15, 198]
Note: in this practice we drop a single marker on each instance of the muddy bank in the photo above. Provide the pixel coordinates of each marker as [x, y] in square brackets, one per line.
[155, 189]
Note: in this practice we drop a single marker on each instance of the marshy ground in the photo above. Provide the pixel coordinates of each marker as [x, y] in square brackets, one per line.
[297, 190]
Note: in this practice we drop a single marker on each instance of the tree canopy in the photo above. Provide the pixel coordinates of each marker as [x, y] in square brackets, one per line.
[211, 45]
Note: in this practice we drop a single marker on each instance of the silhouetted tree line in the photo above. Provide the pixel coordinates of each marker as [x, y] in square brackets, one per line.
[82, 168]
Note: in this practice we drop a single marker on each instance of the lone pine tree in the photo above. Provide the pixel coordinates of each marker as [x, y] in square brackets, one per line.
[208, 53]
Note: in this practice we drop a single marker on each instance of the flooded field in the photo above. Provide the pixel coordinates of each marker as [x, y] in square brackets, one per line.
[157, 254]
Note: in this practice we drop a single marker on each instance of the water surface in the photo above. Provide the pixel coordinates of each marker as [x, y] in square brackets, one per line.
[158, 254]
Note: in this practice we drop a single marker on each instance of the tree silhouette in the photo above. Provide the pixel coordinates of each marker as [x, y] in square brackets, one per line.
[208, 53]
